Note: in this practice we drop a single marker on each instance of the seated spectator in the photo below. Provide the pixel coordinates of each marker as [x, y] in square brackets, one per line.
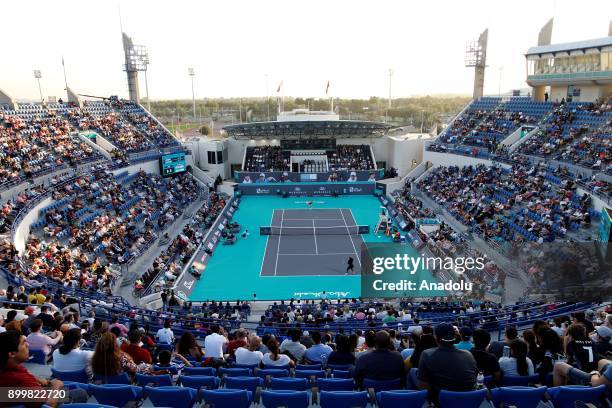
[273, 356]
[239, 341]
[446, 367]
[343, 355]
[292, 345]
[108, 359]
[187, 346]
[318, 353]
[486, 362]
[39, 341]
[564, 374]
[250, 354]
[383, 363]
[424, 342]
[497, 347]
[165, 335]
[466, 336]
[69, 356]
[579, 349]
[518, 364]
[134, 348]
[14, 352]
[215, 342]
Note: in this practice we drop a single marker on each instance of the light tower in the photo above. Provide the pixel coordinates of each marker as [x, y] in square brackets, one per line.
[38, 75]
[136, 60]
[476, 57]
[191, 72]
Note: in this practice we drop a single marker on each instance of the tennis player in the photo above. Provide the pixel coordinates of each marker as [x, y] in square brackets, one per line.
[350, 266]
[309, 205]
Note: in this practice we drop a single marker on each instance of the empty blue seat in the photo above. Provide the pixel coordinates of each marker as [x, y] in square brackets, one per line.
[382, 385]
[122, 378]
[335, 384]
[75, 376]
[199, 381]
[310, 373]
[249, 366]
[519, 381]
[342, 374]
[37, 357]
[465, 399]
[235, 372]
[289, 399]
[272, 372]
[115, 394]
[244, 383]
[343, 399]
[295, 384]
[343, 367]
[227, 398]
[567, 395]
[401, 398]
[158, 380]
[199, 371]
[168, 396]
[521, 397]
[308, 366]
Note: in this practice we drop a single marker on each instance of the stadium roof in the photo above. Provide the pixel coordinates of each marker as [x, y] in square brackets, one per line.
[572, 46]
[346, 128]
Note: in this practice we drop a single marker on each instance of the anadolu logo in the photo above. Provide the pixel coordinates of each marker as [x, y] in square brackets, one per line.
[354, 190]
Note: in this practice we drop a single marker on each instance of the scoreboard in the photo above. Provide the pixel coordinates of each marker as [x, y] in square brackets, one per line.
[172, 163]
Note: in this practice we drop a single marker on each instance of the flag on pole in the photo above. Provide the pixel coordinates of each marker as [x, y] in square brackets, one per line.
[280, 85]
[327, 87]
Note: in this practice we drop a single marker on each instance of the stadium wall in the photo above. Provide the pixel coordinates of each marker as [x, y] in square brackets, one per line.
[23, 229]
[307, 189]
[445, 159]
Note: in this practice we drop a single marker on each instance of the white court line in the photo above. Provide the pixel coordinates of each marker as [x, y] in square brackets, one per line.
[317, 219]
[314, 234]
[267, 241]
[350, 237]
[320, 253]
[279, 241]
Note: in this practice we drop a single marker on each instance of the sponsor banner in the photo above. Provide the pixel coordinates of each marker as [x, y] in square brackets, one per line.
[307, 189]
[281, 177]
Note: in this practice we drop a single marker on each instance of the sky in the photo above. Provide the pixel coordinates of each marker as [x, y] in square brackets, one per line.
[246, 47]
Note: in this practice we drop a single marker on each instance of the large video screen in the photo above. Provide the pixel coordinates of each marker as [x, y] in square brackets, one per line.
[172, 163]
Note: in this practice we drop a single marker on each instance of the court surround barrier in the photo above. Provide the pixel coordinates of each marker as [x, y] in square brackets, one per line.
[307, 188]
[277, 176]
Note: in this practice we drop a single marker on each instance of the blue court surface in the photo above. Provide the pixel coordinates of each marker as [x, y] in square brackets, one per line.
[293, 266]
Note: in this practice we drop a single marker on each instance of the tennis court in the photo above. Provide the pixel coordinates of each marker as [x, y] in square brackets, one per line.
[311, 242]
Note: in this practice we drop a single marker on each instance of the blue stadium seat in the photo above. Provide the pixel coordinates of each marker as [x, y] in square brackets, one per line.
[199, 381]
[342, 374]
[75, 376]
[169, 396]
[295, 384]
[454, 399]
[279, 367]
[235, 372]
[83, 405]
[519, 381]
[310, 374]
[158, 380]
[270, 372]
[37, 357]
[343, 399]
[401, 398]
[308, 366]
[342, 367]
[567, 395]
[115, 394]
[122, 378]
[335, 384]
[289, 399]
[382, 385]
[244, 383]
[249, 366]
[517, 396]
[199, 371]
[227, 398]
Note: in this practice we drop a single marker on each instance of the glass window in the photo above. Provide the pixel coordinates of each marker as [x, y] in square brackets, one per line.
[212, 158]
[219, 157]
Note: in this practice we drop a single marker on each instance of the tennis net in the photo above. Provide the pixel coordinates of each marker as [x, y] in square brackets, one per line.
[333, 230]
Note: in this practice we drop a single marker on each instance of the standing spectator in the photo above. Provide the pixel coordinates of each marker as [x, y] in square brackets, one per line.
[446, 367]
[518, 364]
[165, 335]
[250, 354]
[381, 364]
[318, 353]
[39, 341]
